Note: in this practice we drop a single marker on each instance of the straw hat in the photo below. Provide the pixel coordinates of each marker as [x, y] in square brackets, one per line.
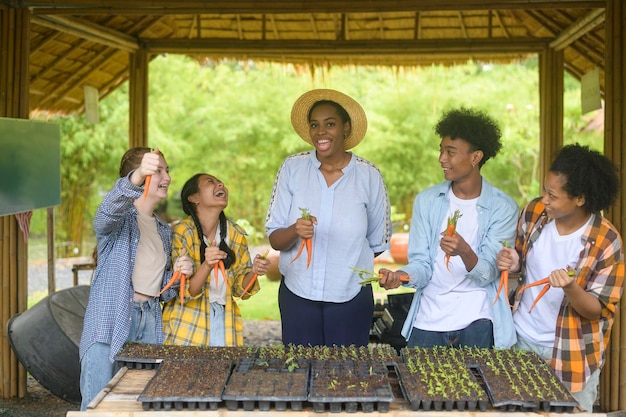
[302, 107]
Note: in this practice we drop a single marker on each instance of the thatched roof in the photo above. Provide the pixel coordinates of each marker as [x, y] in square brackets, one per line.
[87, 42]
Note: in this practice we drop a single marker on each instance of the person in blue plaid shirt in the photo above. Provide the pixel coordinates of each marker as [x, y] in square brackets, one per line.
[134, 264]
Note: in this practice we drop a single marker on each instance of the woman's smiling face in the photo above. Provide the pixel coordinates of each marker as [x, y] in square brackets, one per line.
[558, 202]
[212, 191]
[327, 129]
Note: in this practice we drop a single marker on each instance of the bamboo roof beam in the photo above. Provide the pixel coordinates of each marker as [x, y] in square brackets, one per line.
[579, 29]
[317, 47]
[501, 24]
[316, 35]
[84, 32]
[417, 31]
[51, 66]
[274, 27]
[164, 7]
[239, 28]
[462, 23]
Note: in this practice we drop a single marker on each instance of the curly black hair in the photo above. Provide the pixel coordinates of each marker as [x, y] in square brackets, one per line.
[473, 126]
[587, 173]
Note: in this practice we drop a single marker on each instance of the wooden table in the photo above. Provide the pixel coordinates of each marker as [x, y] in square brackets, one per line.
[119, 399]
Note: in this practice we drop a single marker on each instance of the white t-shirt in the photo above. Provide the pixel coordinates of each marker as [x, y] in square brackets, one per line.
[550, 252]
[450, 301]
[217, 289]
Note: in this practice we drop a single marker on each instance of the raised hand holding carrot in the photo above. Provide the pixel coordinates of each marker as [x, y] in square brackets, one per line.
[306, 242]
[146, 186]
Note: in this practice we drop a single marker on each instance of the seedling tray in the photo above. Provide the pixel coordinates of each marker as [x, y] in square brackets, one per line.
[350, 385]
[190, 384]
[265, 383]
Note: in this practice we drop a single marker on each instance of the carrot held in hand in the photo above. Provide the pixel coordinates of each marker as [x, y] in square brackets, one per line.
[175, 277]
[254, 276]
[451, 231]
[504, 282]
[181, 291]
[307, 242]
[571, 272]
[368, 277]
[146, 186]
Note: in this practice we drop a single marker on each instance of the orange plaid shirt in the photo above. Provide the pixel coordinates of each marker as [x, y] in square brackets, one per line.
[580, 343]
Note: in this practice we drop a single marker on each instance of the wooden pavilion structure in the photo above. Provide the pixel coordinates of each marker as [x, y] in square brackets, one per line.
[51, 49]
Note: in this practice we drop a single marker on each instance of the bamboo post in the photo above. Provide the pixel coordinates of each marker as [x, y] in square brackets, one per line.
[613, 383]
[550, 108]
[14, 99]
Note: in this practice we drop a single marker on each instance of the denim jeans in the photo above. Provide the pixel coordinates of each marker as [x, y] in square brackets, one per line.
[96, 370]
[143, 321]
[218, 336]
[477, 334]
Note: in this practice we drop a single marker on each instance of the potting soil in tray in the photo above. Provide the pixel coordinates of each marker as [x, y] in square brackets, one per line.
[267, 383]
[149, 356]
[350, 385]
[191, 384]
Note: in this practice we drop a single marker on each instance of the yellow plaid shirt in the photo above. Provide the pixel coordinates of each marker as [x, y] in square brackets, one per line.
[189, 324]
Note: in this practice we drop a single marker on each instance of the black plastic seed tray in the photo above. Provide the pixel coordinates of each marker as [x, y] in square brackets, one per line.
[419, 395]
[150, 356]
[349, 386]
[186, 384]
[266, 384]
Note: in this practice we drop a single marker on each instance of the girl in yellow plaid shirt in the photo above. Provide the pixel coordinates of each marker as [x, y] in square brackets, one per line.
[207, 313]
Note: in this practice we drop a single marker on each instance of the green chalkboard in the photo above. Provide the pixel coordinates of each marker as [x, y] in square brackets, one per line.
[30, 165]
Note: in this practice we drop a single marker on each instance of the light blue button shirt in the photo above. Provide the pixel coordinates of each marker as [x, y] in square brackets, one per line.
[497, 222]
[353, 223]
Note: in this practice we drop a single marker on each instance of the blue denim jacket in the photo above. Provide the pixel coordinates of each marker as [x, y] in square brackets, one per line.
[497, 222]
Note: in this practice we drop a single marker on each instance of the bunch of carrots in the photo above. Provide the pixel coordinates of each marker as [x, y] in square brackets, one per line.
[451, 231]
[308, 242]
[255, 276]
[504, 282]
[545, 282]
[175, 277]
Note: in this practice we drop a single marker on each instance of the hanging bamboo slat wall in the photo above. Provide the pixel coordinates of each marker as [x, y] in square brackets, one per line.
[14, 47]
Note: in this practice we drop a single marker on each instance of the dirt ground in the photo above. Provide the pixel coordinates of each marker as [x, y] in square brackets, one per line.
[39, 402]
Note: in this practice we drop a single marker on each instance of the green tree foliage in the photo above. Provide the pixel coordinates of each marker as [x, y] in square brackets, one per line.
[232, 120]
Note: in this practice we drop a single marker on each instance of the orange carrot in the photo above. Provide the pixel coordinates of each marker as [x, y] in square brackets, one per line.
[254, 276]
[302, 245]
[306, 242]
[504, 282]
[451, 230]
[219, 266]
[172, 281]
[309, 251]
[146, 186]
[534, 284]
[181, 293]
[543, 291]
[571, 272]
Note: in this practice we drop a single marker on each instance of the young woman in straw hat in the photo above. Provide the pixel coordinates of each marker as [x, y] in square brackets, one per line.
[348, 223]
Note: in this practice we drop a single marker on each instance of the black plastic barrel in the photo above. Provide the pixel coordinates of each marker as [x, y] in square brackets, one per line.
[45, 339]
